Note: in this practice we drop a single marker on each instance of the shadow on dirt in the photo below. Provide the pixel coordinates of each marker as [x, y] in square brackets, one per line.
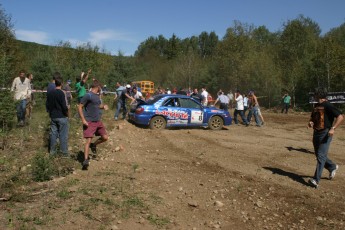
[293, 176]
[302, 150]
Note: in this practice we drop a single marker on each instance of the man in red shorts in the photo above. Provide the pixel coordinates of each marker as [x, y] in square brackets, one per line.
[90, 114]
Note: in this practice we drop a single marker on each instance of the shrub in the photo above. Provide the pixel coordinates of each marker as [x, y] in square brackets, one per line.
[43, 167]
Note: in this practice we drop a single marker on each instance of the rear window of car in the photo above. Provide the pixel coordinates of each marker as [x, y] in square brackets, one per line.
[154, 99]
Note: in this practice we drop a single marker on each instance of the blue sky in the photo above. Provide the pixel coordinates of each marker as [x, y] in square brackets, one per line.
[122, 25]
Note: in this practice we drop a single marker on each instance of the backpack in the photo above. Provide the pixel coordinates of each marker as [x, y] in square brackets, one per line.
[318, 117]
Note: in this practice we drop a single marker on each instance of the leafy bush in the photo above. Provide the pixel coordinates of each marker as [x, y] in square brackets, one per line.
[43, 167]
[7, 111]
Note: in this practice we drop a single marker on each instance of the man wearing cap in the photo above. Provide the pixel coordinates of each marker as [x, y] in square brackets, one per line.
[125, 94]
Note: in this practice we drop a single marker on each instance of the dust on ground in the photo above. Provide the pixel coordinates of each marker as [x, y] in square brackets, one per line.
[237, 178]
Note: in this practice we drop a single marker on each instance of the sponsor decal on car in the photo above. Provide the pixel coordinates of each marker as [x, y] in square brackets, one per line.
[173, 114]
[179, 121]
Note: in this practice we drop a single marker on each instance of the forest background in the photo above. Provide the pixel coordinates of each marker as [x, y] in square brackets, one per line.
[295, 60]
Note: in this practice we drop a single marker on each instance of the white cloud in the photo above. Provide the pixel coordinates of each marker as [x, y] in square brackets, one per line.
[108, 35]
[32, 36]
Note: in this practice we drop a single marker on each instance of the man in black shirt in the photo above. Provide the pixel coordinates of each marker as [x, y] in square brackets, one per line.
[56, 105]
[322, 119]
[196, 95]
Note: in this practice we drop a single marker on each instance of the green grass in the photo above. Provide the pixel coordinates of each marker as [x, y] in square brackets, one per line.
[64, 194]
[158, 221]
[91, 199]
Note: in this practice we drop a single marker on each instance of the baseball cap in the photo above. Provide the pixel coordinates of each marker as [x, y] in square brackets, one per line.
[128, 86]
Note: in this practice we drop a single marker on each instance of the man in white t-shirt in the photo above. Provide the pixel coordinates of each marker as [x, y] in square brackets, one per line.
[137, 94]
[204, 93]
[21, 87]
[239, 108]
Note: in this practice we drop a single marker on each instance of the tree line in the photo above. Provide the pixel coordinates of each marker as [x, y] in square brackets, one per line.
[295, 59]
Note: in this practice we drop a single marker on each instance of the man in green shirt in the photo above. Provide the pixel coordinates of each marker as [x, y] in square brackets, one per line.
[286, 102]
[80, 85]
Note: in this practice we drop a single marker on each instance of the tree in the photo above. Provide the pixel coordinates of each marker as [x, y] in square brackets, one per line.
[207, 44]
[298, 45]
[9, 56]
[173, 48]
[8, 67]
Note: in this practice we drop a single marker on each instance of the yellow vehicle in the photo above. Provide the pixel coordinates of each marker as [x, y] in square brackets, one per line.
[145, 86]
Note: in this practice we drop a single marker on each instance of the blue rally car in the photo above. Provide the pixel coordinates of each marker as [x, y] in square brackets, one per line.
[170, 110]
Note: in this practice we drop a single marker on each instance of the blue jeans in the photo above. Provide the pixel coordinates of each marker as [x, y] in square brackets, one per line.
[321, 142]
[286, 107]
[21, 109]
[236, 112]
[59, 129]
[254, 111]
[121, 104]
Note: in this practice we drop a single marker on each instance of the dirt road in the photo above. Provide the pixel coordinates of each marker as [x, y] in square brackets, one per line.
[236, 178]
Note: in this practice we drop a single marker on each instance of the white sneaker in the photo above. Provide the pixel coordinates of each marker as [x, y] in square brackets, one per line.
[313, 183]
[332, 173]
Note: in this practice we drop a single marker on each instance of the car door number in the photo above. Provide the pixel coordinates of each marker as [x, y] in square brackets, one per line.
[197, 117]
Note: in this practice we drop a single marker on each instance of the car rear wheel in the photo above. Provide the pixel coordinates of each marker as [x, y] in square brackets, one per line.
[216, 123]
[158, 123]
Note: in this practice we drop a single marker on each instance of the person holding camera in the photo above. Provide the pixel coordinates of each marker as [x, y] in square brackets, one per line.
[286, 102]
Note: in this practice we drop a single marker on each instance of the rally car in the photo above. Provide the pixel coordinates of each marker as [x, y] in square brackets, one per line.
[170, 110]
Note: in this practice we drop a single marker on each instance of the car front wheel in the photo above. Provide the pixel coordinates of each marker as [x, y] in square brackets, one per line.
[158, 123]
[216, 123]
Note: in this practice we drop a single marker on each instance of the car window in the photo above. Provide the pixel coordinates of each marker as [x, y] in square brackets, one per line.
[188, 103]
[169, 102]
[172, 102]
[154, 99]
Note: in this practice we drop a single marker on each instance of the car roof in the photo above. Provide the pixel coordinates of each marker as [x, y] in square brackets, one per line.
[172, 95]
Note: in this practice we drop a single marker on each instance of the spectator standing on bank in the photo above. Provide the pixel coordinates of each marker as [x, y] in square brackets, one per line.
[51, 86]
[22, 92]
[67, 89]
[57, 108]
[119, 90]
[125, 95]
[322, 121]
[91, 118]
[30, 102]
[286, 102]
[80, 85]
